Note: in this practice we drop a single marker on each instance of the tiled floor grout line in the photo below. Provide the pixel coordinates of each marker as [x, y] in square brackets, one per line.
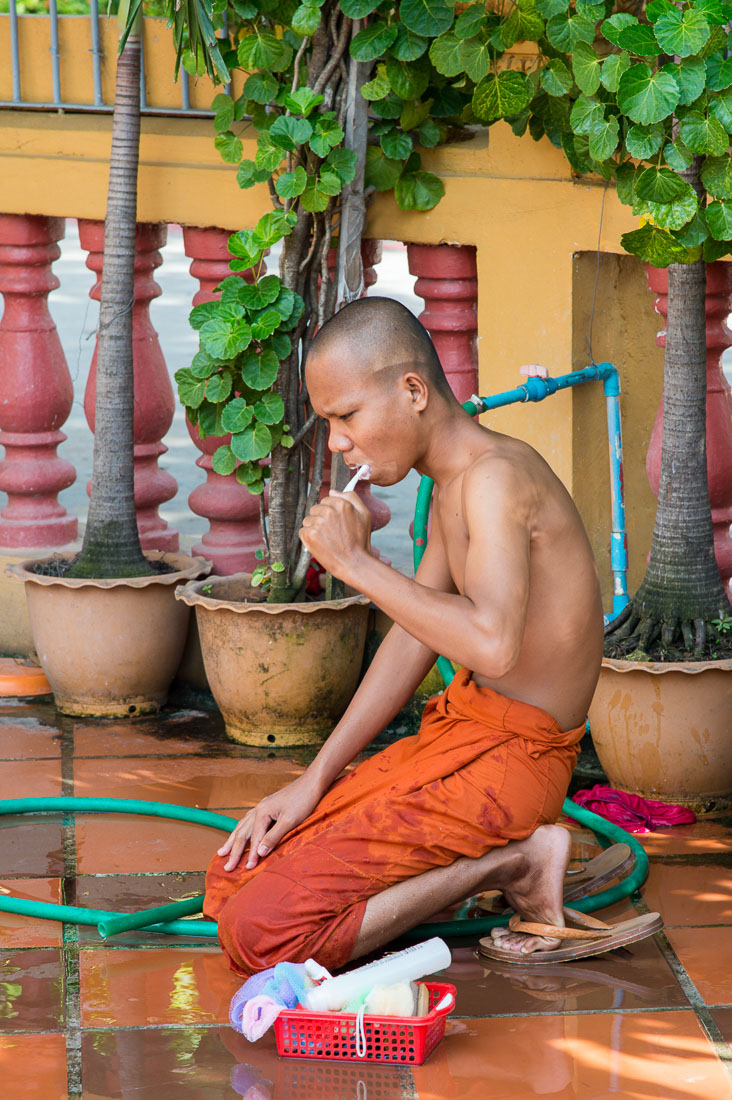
[70, 949]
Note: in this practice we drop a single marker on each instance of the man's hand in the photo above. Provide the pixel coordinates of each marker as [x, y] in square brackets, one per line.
[336, 531]
[265, 825]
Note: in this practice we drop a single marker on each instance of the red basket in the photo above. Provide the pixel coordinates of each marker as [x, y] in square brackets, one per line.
[391, 1040]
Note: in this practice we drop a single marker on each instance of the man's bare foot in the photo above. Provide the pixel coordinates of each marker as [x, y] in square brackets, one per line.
[536, 894]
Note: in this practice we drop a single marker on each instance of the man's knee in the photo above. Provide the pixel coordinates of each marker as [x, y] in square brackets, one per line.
[268, 921]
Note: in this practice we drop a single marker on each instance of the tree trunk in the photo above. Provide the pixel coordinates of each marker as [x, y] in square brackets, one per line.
[111, 542]
[682, 587]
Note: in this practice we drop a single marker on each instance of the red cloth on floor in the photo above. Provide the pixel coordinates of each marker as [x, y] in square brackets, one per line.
[630, 811]
[483, 770]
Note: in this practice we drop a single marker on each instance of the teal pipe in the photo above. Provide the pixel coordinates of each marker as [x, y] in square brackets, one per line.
[113, 926]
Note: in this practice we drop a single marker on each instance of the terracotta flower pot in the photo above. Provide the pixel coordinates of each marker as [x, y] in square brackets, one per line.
[664, 730]
[109, 647]
[281, 674]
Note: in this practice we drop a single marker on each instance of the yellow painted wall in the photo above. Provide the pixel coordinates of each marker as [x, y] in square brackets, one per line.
[532, 222]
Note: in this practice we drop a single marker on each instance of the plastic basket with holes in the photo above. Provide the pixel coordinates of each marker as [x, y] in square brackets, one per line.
[391, 1040]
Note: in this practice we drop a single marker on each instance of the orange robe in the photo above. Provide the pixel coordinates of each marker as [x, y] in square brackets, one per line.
[482, 770]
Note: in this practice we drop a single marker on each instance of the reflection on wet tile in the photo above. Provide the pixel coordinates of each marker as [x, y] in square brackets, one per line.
[21, 931]
[634, 1057]
[33, 1065]
[202, 1063]
[30, 779]
[129, 987]
[128, 893]
[689, 894]
[31, 846]
[119, 844]
[637, 977]
[28, 739]
[203, 782]
[702, 836]
[31, 991]
[723, 1018]
[705, 954]
[169, 735]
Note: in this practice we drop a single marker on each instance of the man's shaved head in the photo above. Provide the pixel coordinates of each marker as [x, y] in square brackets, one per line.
[381, 335]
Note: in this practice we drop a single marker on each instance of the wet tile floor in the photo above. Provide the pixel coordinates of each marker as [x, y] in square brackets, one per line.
[143, 1017]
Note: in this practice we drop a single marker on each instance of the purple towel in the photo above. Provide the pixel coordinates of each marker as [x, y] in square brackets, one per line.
[630, 811]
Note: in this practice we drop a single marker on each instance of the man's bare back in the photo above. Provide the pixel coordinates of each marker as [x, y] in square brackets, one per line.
[561, 647]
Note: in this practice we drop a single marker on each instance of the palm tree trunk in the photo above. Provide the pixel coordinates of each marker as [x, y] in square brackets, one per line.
[682, 589]
[111, 541]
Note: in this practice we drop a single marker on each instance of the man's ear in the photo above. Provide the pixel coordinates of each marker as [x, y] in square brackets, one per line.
[417, 389]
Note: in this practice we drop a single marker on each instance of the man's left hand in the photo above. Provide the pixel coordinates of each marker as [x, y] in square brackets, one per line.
[337, 532]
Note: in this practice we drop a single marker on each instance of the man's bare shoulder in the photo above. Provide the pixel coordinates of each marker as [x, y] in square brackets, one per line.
[506, 472]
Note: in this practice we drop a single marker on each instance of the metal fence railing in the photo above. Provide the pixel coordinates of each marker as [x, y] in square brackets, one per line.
[81, 50]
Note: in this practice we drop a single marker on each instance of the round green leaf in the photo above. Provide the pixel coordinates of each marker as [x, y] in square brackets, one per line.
[716, 12]
[200, 314]
[237, 415]
[327, 135]
[191, 390]
[248, 174]
[677, 156]
[229, 146]
[271, 228]
[585, 113]
[612, 69]
[265, 323]
[314, 199]
[284, 303]
[556, 78]
[470, 21]
[719, 220]
[270, 409]
[604, 137]
[260, 294]
[225, 339]
[223, 460]
[656, 8]
[373, 41]
[566, 30]
[261, 87]
[586, 68]
[446, 55]
[691, 77]
[356, 9]
[259, 371]
[408, 80]
[303, 101]
[407, 45]
[203, 366]
[209, 420]
[378, 87]
[343, 162]
[218, 387]
[677, 214]
[719, 72]
[682, 32]
[427, 17]
[253, 443]
[418, 190]
[305, 20]
[501, 96]
[263, 50]
[647, 97]
[381, 172]
[291, 184]
[655, 246]
[695, 232]
[223, 106]
[716, 176]
[289, 132]
[397, 144]
[638, 39]
[391, 106]
[721, 107]
[430, 134]
[612, 27]
[269, 155]
[702, 135]
[476, 58]
[643, 141]
[548, 8]
[659, 185]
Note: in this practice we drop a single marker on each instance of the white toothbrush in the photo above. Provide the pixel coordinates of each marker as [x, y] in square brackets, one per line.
[360, 474]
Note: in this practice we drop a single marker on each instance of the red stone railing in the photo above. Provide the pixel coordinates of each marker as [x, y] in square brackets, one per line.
[36, 390]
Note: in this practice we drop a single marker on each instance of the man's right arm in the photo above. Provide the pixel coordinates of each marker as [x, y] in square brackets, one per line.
[398, 668]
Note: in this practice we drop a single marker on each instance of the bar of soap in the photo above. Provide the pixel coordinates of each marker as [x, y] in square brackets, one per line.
[391, 1000]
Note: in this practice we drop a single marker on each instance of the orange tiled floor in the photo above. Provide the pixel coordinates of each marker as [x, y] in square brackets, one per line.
[146, 1016]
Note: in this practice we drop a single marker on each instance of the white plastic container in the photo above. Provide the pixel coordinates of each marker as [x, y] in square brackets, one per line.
[404, 966]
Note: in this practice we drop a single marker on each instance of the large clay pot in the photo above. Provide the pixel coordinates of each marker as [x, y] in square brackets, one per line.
[664, 730]
[281, 674]
[109, 648]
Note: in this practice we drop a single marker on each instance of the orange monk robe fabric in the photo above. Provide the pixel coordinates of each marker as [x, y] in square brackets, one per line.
[482, 770]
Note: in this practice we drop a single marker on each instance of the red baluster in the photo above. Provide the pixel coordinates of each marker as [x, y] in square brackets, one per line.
[447, 280]
[719, 404]
[35, 387]
[154, 402]
[231, 510]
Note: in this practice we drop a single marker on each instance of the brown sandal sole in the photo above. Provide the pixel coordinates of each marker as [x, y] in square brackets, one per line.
[594, 937]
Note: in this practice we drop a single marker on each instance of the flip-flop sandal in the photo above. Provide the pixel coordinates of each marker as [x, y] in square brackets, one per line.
[597, 872]
[591, 937]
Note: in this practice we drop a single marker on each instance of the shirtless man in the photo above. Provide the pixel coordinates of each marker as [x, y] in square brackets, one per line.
[508, 589]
